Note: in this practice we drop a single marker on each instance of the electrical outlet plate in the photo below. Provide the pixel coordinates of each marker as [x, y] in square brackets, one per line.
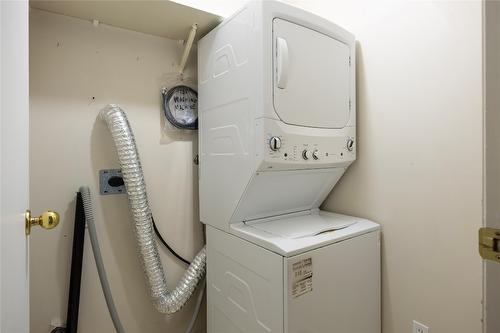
[419, 328]
[106, 184]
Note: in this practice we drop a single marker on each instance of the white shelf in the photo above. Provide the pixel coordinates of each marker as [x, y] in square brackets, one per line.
[161, 17]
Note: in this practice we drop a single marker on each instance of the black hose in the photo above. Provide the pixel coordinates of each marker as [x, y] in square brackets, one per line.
[178, 256]
[76, 267]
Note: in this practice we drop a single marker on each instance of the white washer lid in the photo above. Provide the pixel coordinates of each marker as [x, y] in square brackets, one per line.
[292, 234]
[303, 225]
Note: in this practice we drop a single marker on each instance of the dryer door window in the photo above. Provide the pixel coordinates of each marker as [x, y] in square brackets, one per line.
[311, 77]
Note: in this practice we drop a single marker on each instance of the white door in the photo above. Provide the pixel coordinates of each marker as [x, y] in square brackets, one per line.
[14, 106]
[491, 75]
[312, 73]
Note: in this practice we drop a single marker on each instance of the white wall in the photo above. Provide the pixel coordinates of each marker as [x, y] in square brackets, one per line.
[419, 167]
[76, 69]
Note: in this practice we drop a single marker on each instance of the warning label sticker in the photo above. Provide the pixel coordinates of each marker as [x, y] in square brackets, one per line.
[301, 277]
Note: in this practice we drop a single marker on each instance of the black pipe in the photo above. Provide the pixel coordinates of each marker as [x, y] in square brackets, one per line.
[76, 267]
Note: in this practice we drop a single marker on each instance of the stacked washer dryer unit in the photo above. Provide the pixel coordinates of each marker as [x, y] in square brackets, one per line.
[277, 130]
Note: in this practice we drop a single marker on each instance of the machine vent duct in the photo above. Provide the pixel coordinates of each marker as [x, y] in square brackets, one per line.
[164, 300]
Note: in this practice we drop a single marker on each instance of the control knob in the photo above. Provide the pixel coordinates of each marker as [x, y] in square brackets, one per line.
[316, 154]
[307, 154]
[275, 143]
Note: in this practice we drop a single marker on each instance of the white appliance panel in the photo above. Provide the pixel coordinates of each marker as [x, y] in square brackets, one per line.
[237, 118]
[301, 231]
[280, 192]
[329, 145]
[302, 225]
[253, 290]
[244, 286]
[343, 293]
[226, 116]
[312, 77]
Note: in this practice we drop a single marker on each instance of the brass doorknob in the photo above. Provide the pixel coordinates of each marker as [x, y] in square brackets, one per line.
[47, 220]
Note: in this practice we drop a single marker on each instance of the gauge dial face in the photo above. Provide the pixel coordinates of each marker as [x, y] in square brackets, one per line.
[181, 107]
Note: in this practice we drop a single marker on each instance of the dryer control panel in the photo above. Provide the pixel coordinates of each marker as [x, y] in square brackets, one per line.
[289, 147]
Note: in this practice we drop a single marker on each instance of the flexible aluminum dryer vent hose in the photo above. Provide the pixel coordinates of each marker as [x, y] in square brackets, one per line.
[164, 300]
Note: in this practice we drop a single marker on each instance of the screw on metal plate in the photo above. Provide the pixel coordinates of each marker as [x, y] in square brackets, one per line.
[111, 181]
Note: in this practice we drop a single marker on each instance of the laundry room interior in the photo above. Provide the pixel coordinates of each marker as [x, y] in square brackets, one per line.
[370, 226]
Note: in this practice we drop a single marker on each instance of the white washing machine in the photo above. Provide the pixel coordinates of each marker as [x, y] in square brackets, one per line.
[277, 130]
[290, 275]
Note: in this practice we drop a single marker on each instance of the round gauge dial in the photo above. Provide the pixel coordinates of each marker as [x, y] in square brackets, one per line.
[180, 105]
